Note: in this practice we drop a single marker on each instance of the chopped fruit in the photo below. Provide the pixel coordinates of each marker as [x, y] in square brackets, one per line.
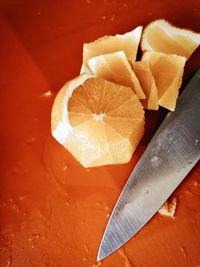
[163, 37]
[98, 116]
[127, 42]
[168, 72]
[115, 67]
[98, 121]
[144, 75]
[169, 208]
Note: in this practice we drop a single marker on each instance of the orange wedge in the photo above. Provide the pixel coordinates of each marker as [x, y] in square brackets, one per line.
[168, 72]
[115, 67]
[162, 36]
[127, 42]
[144, 74]
[98, 121]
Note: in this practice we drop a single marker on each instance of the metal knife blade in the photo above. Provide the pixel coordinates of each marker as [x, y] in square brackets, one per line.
[171, 154]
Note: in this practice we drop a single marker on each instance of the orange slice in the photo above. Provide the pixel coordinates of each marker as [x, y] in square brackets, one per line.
[115, 67]
[168, 72]
[98, 121]
[127, 42]
[144, 74]
[162, 36]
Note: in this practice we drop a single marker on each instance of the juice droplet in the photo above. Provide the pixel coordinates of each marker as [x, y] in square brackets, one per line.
[188, 192]
[112, 17]
[65, 168]
[12, 235]
[86, 247]
[33, 240]
[98, 204]
[39, 12]
[37, 235]
[9, 261]
[46, 94]
[184, 252]
[21, 197]
[14, 206]
[10, 200]
[155, 161]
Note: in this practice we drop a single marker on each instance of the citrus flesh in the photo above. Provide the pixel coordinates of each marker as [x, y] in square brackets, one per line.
[162, 36]
[98, 116]
[98, 121]
[127, 42]
[145, 76]
[115, 67]
[168, 72]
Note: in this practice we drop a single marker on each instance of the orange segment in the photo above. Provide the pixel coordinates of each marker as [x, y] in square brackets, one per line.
[144, 75]
[118, 150]
[98, 121]
[161, 36]
[87, 144]
[168, 72]
[127, 42]
[115, 67]
[59, 114]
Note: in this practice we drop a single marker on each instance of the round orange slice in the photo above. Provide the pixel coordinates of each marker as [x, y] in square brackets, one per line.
[162, 36]
[98, 121]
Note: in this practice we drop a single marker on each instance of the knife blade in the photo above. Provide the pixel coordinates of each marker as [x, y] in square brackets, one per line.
[169, 157]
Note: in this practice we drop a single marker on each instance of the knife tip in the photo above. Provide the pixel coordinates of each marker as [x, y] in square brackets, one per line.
[100, 257]
[102, 253]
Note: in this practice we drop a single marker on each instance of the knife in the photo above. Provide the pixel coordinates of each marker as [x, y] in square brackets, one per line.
[171, 154]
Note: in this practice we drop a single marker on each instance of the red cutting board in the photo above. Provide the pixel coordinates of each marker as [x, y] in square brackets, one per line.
[53, 211]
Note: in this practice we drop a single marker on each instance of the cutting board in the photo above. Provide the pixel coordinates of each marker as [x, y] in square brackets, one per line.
[53, 211]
